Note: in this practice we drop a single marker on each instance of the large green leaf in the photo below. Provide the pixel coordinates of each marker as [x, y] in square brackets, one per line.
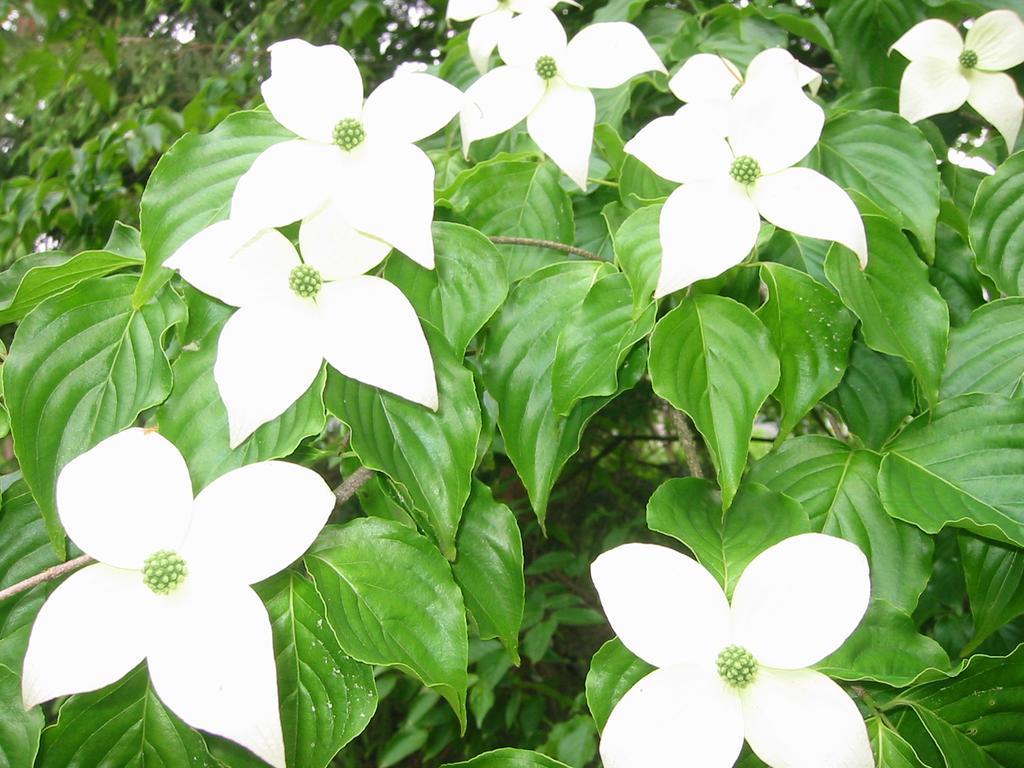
[811, 331]
[19, 729]
[613, 671]
[83, 365]
[864, 31]
[509, 758]
[712, 358]
[191, 187]
[839, 492]
[959, 465]
[120, 725]
[430, 454]
[327, 698]
[997, 226]
[890, 162]
[995, 583]
[986, 354]
[638, 251]
[891, 749]
[391, 600]
[901, 312]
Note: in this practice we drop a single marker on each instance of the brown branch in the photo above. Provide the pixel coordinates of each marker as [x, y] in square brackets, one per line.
[688, 442]
[352, 483]
[550, 244]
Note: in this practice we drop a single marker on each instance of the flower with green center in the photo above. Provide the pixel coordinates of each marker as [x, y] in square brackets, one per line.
[349, 134]
[945, 71]
[171, 584]
[546, 67]
[305, 281]
[745, 170]
[725, 673]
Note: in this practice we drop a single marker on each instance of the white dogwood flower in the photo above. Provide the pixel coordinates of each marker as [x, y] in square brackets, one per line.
[490, 18]
[726, 673]
[735, 165]
[296, 312]
[547, 81]
[352, 160]
[171, 584]
[708, 77]
[945, 70]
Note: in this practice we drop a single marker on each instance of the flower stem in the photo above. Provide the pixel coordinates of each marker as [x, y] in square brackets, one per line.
[551, 244]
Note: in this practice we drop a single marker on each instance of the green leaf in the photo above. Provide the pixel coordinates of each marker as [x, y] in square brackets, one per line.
[595, 341]
[327, 698]
[804, 253]
[82, 367]
[987, 353]
[689, 509]
[997, 226]
[19, 729]
[839, 492]
[489, 568]
[191, 187]
[509, 758]
[712, 358]
[122, 724]
[890, 162]
[429, 454]
[959, 465]
[638, 250]
[864, 30]
[391, 600]
[811, 331]
[640, 186]
[901, 312]
[891, 749]
[613, 671]
[885, 648]
[995, 584]
[875, 396]
[810, 27]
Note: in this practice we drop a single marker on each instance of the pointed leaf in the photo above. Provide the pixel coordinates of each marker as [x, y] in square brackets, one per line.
[997, 226]
[986, 354]
[613, 671]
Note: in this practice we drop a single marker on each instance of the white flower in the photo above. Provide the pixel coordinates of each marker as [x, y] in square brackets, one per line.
[490, 18]
[352, 161]
[708, 77]
[945, 71]
[294, 314]
[734, 162]
[548, 82]
[725, 673]
[172, 584]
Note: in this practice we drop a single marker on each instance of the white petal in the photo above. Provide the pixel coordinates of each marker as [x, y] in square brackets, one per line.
[995, 97]
[410, 107]
[464, 10]
[931, 86]
[534, 34]
[498, 101]
[312, 87]
[706, 228]
[211, 660]
[253, 521]
[776, 124]
[229, 261]
[562, 124]
[801, 719]
[681, 716]
[330, 244]
[89, 633]
[800, 599]
[806, 203]
[389, 194]
[998, 39]
[705, 77]
[665, 607]
[484, 35]
[776, 67]
[932, 38]
[286, 183]
[680, 149]
[808, 77]
[371, 333]
[606, 55]
[126, 498]
[267, 356]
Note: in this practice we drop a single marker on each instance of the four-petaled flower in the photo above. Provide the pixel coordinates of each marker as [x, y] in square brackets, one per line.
[547, 81]
[172, 584]
[708, 77]
[945, 71]
[726, 673]
[294, 314]
[735, 164]
[352, 162]
[490, 18]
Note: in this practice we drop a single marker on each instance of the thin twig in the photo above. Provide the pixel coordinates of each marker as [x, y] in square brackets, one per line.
[688, 442]
[550, 244]
[352, 483]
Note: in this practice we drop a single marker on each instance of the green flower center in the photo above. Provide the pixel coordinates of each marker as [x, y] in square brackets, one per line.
[737, 666]
[968, 59]
[546, 67]
[164, 571]
[305, 281]
[349, 134]
[745, 169]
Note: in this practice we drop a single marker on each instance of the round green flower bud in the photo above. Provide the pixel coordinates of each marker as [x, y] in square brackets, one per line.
[546, 67]
[968, 59]
[737, 666]
[745, 169]
[305, 281]
[164, 571]
[349, 134]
